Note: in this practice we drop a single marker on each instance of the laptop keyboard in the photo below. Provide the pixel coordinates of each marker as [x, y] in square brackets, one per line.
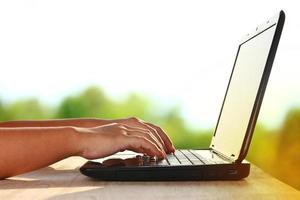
[178, 158]
[181, 157]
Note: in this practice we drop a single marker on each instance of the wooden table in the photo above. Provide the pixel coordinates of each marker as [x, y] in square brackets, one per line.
[63, 181]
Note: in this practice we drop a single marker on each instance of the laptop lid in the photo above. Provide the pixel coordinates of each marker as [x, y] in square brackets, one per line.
[246, 88]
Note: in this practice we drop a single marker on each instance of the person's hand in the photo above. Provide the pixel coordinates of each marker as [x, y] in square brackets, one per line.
[125, 134]
[161, 137]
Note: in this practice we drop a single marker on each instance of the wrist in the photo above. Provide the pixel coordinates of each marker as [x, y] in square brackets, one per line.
[82, 138]
[74, 138]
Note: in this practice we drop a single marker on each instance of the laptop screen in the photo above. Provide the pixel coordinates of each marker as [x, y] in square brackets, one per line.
[241, 93]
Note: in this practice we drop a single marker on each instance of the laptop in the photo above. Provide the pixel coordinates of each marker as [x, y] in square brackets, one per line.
[224, 159]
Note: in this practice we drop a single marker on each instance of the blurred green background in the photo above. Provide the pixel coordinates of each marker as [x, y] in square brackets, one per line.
[275, 151]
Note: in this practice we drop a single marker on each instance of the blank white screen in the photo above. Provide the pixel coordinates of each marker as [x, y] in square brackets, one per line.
[241, 94]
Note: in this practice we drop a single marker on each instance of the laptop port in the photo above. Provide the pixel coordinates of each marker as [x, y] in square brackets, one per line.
[232, 171]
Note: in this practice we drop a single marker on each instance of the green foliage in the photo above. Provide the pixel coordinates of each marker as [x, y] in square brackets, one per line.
[269, 148]
[288, 150]
[90, 103]
[24, 109]
[3, 112]
[279, 148]
[263, 148]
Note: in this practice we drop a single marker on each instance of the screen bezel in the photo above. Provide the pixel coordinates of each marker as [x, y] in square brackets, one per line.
[278, 21]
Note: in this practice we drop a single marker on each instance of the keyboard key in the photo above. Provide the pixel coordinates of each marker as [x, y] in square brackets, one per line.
[182, 158]
[172, 160]
[186, 157]
[146, 159]
[214, 159]
[186, 162]
[162, 162]
[195, 160]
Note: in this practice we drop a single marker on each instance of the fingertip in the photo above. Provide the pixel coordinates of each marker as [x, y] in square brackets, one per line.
[163, 155]
[171, 149]
[159, 153]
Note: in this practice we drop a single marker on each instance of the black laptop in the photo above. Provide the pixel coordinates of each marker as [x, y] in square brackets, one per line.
[224, 159]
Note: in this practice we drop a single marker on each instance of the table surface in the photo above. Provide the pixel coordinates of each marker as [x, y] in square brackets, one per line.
[62, 180]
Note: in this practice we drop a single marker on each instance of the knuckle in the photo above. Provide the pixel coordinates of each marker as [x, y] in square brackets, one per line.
[122, 127]
[154, 131]
[149, 132]
[134, 119]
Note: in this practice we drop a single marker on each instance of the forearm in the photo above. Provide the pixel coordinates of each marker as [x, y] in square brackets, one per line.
[24, 149]
[82, 122]
[33, 148]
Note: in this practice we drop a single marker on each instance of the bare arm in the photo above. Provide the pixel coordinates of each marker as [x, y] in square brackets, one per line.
[159, 134]
[25, 149]
[80, 122]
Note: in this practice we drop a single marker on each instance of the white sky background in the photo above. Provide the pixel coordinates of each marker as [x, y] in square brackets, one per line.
[176, 52]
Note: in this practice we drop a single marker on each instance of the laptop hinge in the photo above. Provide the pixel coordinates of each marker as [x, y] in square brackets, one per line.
[222, 156]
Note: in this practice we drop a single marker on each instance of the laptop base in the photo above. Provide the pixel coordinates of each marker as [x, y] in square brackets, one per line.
[227, 171]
